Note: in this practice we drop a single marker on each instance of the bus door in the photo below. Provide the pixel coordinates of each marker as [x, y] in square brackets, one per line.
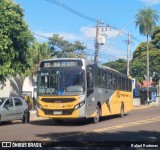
[90, 99]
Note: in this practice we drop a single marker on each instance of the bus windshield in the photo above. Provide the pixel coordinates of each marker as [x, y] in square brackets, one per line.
[61, 82]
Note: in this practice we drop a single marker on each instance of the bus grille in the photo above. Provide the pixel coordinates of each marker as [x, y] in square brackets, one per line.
[64, 112]
[57, 100]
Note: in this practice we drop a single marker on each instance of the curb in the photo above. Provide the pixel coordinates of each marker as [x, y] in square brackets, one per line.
[145, 106]
[140, 107]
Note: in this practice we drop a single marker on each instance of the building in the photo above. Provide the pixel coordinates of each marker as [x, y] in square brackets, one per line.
[16, 86]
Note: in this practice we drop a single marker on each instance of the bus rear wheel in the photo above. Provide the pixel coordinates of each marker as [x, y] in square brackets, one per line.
[122, 111]
[96, 118]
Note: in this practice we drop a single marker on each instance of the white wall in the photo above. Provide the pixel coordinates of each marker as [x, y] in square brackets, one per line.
[5, 92]
[27, 85]
[15, 86]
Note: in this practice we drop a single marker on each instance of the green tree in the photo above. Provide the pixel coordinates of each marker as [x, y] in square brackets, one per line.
[55, 47]
[63, 48]
[138, 69]
[156, 37]
[15, 41]
[40, 51]
[155, 54]
[120, 65]
[146, 21]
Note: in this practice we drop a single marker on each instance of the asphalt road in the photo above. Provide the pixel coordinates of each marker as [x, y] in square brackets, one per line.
[137, 126]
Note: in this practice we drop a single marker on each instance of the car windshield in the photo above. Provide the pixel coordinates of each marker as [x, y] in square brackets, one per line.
[2, 100]
[61, 82]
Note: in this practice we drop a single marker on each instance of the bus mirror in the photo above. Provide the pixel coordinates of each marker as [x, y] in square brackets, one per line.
[34, 83]
[34, 80]
[57, 72]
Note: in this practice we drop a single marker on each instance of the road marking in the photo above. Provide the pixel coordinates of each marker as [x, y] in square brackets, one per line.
[46, 139]
[146, 121]
[128, 124]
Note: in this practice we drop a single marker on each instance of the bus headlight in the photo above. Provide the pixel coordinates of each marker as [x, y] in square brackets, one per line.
[39, 106]
[79, 105]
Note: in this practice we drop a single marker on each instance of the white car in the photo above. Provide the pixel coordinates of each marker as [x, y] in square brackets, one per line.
[14, 108]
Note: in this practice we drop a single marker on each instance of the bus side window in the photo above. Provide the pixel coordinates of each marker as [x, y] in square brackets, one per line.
[123, 83]
[130, 85]
[89, 80]
[127, 87]
[114, 81]
[119, 83]
[104, 79]
[98, 81]
[109, 80]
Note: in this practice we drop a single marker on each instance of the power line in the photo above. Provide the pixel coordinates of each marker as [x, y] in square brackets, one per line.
[89, 18]
[77, 12]
[88, 51]
[41, 36]
[72, 10]
[55, 2]
[110, 57]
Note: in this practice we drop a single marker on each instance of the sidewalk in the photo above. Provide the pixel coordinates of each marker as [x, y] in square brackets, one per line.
[136, 107]
[33, 115]
[146, 105]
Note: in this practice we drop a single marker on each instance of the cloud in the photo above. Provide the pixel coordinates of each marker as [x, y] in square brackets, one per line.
[90, 33]
[151, 2]
[69, 36]
[40, 35]
[114, 51]
[87, 36]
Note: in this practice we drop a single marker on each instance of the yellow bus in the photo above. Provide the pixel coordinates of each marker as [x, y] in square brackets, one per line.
[70, 88]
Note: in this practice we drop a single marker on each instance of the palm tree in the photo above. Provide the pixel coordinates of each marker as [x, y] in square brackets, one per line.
[146, 20]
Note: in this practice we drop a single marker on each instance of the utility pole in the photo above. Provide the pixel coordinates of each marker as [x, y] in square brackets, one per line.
[100, 37]
[128, 54]
[96, 44]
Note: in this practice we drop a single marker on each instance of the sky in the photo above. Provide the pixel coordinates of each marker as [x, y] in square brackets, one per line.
[48, 17]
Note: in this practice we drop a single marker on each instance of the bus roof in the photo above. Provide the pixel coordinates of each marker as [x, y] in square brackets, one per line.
[87, 62]
[62, 59]
[111, 69]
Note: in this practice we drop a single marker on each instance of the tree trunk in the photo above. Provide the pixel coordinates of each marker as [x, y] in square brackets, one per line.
[148, 79]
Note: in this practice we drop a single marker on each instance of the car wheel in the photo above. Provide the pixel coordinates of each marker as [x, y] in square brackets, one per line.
[26, 118]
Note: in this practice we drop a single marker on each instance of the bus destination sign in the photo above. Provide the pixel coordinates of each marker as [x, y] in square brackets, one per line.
[48, 64]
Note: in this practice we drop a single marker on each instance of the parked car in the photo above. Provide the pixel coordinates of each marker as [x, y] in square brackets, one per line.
[14, 108]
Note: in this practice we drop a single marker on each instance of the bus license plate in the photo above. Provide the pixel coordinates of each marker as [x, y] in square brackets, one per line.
[57, 112]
